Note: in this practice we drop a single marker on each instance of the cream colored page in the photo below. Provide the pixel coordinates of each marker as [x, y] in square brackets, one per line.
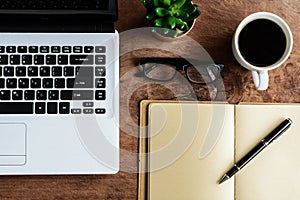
[275, 173]
[178, 132]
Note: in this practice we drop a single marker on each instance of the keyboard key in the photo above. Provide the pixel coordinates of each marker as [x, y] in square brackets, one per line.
[14, 59]
[35, 83]
[17, 95]
[47, 83]
[2, 82]
[100, 71]
[39, 59]
[29, 95]
[41, 95]
[52, 108]
[76, 95]
[70, 82]
[76, 111]
[11, 49]
[88, 49]
[0, 71]
[27, 59]
[56, 71]
[40, 108]
[3, 59]
[81, 59]
[2, 49]
[22, 49]
[69, 71]
[100, 49]
[33, 49]
[88, 111]
[45, 71]
[84, 71]
[55, 49]
[44, 49]
[67, 49]
[8, 71]
[77, 49]
[33, 71]
[16, 108]
[59, 83]
[53, 95]
[100, 111]
[11, 83]
[23, 83]
[100, 95]
[100, 59]
[4, 95]
[66, 95]
[100, 83]
[63, 59]
[84, 82]
[21, 71]
[88, 104]
[50, 59]
[80, 82]
[64, 108]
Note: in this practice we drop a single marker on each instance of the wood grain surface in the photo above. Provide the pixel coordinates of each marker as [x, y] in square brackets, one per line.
[213, 30]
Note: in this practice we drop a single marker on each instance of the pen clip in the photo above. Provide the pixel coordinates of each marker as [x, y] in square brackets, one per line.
[285, 128]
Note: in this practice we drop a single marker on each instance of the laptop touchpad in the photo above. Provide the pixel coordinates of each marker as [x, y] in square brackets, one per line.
[12, 144]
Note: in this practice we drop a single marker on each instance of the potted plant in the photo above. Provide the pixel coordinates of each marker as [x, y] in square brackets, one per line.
[171, 17]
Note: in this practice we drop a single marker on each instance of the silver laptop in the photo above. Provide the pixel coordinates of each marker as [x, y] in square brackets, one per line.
[59, 98]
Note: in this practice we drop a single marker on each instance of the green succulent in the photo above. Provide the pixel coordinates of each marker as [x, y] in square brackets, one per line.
[171, 15]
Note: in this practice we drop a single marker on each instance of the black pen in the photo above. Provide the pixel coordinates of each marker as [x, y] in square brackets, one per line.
[279, 130]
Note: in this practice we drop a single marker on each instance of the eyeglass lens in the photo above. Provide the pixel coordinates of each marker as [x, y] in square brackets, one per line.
[159, 72]
[202, 74]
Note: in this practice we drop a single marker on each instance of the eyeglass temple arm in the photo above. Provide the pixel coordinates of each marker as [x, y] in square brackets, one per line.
[178, 62]
[172, 61]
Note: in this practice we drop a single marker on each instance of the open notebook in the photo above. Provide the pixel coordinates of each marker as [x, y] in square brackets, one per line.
[185, 162]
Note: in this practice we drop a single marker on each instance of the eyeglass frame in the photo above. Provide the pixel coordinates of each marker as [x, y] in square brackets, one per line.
[180, 64]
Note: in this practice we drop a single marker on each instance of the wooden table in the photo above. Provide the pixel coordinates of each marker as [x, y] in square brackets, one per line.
[213, 30]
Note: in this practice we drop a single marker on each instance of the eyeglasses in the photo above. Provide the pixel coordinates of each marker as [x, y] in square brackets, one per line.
[165, 69]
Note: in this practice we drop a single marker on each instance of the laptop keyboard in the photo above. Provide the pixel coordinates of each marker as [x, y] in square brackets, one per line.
[54, 4]
[47, 79]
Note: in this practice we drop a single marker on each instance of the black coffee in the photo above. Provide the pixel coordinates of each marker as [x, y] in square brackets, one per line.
[262, 42]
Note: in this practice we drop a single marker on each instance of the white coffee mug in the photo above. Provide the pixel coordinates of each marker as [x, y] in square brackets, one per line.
[260, 74]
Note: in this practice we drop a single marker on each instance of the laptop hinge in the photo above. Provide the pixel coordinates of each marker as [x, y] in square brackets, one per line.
[45, 24]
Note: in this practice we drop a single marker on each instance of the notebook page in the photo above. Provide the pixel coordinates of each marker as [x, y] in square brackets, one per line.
[275, 173]
[178, 132]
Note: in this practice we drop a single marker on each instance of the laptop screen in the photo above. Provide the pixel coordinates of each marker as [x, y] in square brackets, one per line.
[54, 4]
[58, 15]
[106, 8]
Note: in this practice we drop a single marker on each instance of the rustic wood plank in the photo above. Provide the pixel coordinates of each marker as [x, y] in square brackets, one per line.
[213, 30]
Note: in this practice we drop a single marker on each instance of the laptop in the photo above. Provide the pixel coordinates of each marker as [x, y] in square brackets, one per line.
[59, 98]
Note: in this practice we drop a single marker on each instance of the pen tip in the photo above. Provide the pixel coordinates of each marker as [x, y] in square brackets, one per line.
[225, 178]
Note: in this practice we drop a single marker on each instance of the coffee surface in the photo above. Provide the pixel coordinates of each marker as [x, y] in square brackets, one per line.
[262, 42]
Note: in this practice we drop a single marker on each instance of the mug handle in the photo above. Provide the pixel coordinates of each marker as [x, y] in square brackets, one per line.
[261, 79]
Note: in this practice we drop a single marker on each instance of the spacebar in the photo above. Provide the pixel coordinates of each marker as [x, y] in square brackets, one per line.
[16, 108]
